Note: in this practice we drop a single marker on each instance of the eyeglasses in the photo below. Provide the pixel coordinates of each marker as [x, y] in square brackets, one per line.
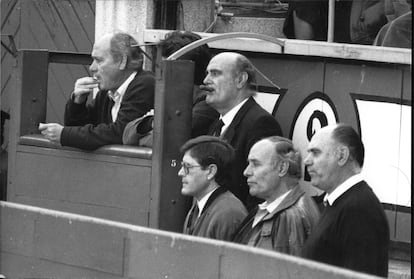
[186, 167]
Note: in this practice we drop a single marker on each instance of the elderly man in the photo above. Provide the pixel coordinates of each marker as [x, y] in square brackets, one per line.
[216, 213]
[229, 87]
[140, 131]
[203, 114]
[353, 230]
[126, 92]
[284, 221]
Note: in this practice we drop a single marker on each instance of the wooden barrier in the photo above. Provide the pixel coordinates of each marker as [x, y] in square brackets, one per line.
[41, 243]
[122, 183]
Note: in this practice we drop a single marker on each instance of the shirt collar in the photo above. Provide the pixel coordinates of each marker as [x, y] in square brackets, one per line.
[202, 202]
[119, 93]
[270, 207]
[341, 189]
[229, 116]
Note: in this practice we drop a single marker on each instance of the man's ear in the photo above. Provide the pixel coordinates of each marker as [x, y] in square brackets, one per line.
[123, 63]
[242, 79]
[212, 171]
[342, 155]
[283, 168]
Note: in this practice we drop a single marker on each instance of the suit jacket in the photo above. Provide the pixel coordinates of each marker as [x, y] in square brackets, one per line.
[220, 218]
[250, 124]
[352, 233]
[285, 229]
[89, 126]
[203, 116]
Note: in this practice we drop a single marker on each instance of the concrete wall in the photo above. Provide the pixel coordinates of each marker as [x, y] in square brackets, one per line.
[41, 243]
[131, 16]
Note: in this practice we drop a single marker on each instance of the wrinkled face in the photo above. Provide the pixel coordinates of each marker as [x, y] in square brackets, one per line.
[194, 180]
[261, 172]
[104, 68]
[221, 82]
[321, 161]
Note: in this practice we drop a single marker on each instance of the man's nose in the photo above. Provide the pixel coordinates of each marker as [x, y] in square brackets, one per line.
[307, 160]
[247, 171]
[92, 67]
[181, 172]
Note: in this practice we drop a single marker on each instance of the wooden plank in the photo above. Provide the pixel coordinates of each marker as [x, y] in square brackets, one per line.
[33, 65]
[62, 78]
[121, 194]
[55, 25]
[173, 102]
[77, 36]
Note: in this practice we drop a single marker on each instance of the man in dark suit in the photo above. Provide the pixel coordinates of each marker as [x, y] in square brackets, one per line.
[353, 230]
[216, 213]
[229, 87]
[126, 92]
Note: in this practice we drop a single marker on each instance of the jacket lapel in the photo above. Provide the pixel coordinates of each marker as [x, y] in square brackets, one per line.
[216, 193]
[287, 202]
[231, 130]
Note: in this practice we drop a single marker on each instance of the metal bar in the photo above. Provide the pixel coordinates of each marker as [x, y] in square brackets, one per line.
[331, 21]
[203, 41]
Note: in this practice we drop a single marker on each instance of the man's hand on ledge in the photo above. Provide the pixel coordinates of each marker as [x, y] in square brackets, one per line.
[51, 131]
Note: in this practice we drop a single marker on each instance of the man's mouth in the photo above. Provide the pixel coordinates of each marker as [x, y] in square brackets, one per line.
[206, 88]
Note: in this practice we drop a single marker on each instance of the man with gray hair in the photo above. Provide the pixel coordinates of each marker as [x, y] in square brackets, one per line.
[230, 87]
[353, 231]
[125, 92]
[287, 217]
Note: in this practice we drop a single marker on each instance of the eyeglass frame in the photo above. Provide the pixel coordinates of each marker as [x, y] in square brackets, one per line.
[186, 167]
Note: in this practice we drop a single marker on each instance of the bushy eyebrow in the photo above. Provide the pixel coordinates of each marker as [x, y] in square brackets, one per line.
[253, 160]
[313, 150]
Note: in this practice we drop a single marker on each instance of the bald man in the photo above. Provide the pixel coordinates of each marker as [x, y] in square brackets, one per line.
[125, 92]
[230, 87]
[353, 230]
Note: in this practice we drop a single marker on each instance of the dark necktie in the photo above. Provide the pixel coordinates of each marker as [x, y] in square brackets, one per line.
[193, 218]
[217, 128]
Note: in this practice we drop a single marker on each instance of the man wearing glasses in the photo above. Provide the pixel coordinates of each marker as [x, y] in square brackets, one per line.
[216, 213]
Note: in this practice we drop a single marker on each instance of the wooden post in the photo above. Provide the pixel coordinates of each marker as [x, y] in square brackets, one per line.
[28, 103]
[33, 90]
[173, 107]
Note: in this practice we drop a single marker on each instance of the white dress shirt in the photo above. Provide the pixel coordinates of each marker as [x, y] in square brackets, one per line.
[266, 208]
[202, 202]
[229, 116]
[341, 189]
[118, 95]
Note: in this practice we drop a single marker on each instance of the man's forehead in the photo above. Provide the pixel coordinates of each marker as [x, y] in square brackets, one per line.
[322, 138]
[187, 156]
[221, 62]
[261, 150]
[102, 44]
